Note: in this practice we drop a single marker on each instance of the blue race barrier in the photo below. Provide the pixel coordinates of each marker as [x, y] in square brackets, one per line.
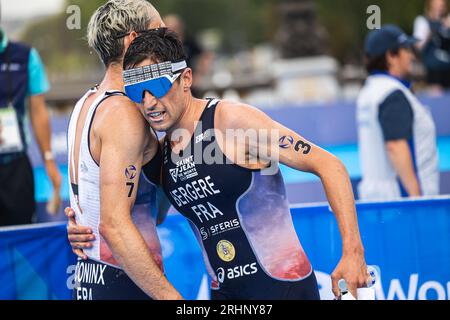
[33, 262]
[408, 240]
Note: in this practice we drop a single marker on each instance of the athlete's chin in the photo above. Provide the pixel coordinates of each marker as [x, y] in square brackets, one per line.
[161, 126]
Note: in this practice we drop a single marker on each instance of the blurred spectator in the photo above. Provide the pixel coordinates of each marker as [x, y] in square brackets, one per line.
[23, 84]
[198, 59]
[397, 136]
[433, 32]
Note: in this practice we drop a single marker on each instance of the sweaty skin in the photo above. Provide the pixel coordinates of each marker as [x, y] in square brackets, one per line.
[113, 151]
[181, 111]
[331, 171]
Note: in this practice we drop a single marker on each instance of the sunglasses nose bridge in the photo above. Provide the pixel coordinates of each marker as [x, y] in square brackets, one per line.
[148, 98]
[146, 94]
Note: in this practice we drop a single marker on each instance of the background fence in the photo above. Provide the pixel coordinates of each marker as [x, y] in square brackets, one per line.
[408, 240]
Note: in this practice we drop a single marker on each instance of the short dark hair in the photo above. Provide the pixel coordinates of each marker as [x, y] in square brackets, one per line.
[379, 63]
[159, 45]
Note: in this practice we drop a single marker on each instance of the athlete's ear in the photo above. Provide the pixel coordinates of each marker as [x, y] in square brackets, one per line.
[129, 39]
[186, 79]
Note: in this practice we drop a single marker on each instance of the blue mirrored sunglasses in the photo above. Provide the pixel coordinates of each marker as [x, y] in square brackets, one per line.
[158, 87]
[157, 79]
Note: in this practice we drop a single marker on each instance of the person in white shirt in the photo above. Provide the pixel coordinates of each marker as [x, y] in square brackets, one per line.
[433, 32]
[397, 135]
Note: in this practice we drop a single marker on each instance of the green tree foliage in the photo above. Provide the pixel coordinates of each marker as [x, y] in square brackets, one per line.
[64, 50]
[240, 23]
[346, 22]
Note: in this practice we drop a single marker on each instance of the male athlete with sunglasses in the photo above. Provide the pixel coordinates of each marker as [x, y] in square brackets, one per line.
[109, 142]
[235, 203]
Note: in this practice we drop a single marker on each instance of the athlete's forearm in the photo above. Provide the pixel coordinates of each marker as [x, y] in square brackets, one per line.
[131, 252]
[401, 159]
[336, 182]
[40, 122]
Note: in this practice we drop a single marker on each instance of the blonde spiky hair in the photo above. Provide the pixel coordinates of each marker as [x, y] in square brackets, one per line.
[115, 18]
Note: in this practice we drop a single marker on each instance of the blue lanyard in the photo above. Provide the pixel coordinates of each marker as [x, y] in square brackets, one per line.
[406, 83]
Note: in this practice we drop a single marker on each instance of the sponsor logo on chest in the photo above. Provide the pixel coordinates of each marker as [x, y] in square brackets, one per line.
[185, 169]
[214, 230]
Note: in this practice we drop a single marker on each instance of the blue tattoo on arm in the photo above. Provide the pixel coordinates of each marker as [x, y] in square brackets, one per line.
[286, 142]
[130, 175]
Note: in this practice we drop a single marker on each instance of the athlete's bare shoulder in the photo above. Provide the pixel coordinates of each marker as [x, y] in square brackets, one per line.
[118, 107]
[119, 116]
[236, 115]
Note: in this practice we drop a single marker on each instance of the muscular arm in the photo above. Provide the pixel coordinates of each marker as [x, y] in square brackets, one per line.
[298, 153]
[40, 122]
[120, 149]
[400, 155]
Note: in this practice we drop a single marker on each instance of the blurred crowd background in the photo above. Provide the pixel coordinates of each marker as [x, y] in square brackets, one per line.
[238, 45]
[300, 60]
